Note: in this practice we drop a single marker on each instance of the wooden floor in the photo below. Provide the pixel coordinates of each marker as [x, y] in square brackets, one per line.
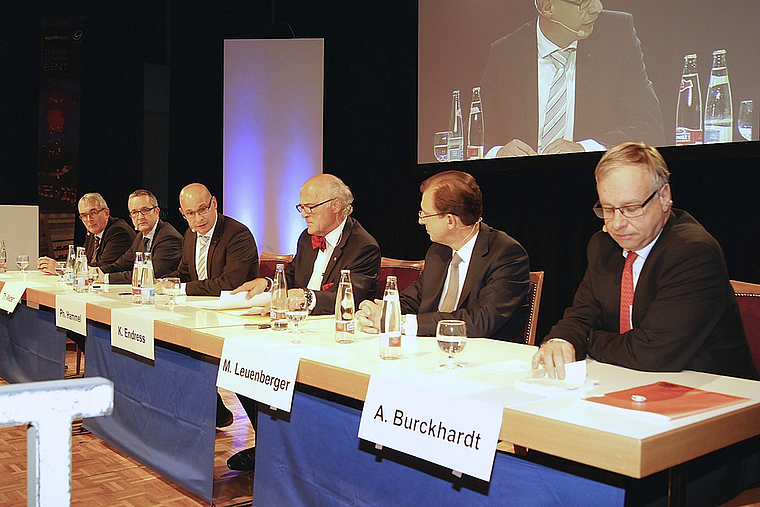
[103, 476]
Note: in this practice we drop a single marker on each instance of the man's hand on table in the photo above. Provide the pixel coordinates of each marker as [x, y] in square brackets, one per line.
[369, 315]
[46, 265]
[253, 287]
[554, 355]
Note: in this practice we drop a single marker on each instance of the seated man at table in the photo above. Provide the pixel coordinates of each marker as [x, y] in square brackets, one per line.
[331, 242]
[656, 294]
[159, 238]
[472, 272]
[107, 238]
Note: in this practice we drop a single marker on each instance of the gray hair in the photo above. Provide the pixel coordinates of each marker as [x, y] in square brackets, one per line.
[142, 191]
[635, 154]
[93, 196]
[335, 187]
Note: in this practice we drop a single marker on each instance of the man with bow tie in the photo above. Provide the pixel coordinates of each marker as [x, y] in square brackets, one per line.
[331, 242]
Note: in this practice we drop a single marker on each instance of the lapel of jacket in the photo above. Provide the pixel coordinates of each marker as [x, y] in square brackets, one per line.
[435, 277]
[218, 231]
[477, 263]
[337, 251]
[304, 260]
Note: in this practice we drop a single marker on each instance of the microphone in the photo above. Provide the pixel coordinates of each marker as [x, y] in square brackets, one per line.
[579, 33]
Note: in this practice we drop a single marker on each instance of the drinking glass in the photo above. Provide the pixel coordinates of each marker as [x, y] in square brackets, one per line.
[172, 286]
[60, 269]
[22, 261]
[296, 311]
[452, 337]
[744, 123]
[440, 146]
[92, 274]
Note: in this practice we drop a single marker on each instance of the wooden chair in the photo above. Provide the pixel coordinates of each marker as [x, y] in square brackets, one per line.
[748, 298]
[536, 285]
[406, 272]
[268, 263]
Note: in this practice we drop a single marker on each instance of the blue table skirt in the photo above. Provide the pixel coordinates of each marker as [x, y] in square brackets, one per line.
[32, 348]
[164, 410]
[313, 457]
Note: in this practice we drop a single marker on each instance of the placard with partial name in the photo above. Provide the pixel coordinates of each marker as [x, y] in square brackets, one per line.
[11, 295]
[71, 314]
[267, 376]
[451, 431]
[132, 330]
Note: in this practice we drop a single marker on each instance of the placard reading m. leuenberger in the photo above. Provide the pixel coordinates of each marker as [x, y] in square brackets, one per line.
[451, 431]
[71, 314]
[132, 329]
[266, 376]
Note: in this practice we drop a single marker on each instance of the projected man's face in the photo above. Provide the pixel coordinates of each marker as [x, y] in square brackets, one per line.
[580, 20]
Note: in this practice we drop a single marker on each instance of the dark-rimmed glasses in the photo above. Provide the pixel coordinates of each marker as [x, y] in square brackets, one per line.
[422, 216]
[306, 208]
[629, 211]
[189, 215]
[582, 5]
[142, 211]
[90, 215]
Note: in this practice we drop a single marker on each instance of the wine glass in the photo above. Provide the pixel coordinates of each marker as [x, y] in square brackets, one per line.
[296, 311]
[452, 337]
[440, 146]
[60, 269]
[22, 261]
[172, 286]
[744, 123]
[92, 274]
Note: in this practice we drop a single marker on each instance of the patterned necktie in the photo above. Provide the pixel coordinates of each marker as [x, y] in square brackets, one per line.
[451, 291]
[146, 246]
[626, 293]
[318, 242]
[556, 106]
[200, 268]
[95, 247]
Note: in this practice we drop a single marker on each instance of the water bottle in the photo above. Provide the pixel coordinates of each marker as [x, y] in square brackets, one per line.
[455, 143]
[81, 276]
[390, 322]
[70, 263]
[344, 309]
[689, 107]
[3, 257]
[719, 115]
[147, 286]
[279, 303]
[137, 278]
[475, 135]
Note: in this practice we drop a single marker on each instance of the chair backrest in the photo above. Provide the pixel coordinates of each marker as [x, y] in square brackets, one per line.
[406, 272]
[536, 285]
[268, 263]
[748, 298]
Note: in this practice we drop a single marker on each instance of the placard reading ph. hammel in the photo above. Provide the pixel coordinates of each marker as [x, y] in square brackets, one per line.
[71, 314]
[267, 376]
[451, 431]
[10, 295]
[132, 330]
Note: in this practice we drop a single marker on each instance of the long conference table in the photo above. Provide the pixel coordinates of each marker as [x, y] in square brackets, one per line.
[164, 414]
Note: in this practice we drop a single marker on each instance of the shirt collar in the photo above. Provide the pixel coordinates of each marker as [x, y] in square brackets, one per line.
[210, 233]
[545, 46]
[465, 251]
[152, 231]
[644, 252]
[333, 236]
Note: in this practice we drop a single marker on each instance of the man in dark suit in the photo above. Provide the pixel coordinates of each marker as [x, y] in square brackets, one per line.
[218, 252]
[593, 59]
[472, 272]
[107, 237]
[159, 238]
[656, 294]
[331, 242]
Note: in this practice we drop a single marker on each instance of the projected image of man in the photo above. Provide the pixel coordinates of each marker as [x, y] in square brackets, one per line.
[573, 80]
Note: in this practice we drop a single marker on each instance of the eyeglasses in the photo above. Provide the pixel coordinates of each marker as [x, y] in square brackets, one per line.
[189, 215]
[422, 216]
[582, 5]
[143, 211]
[305, 208]
[630, 211]
[91, 215]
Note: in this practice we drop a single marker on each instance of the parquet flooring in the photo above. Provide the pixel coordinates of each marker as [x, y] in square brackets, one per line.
[103, 476]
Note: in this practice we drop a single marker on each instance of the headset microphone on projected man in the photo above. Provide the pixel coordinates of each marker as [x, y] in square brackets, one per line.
[579, 33]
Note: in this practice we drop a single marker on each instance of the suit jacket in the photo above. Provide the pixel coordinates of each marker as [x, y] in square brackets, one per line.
[165, 250]
[614, 99]
[232, 259]
[494, 299]
[356, 250]
[117, 238]
[685, 314]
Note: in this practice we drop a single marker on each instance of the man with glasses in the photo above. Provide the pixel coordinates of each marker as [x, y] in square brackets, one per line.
[331, 242]
[656, 294]
[574, 80]
[107, 237]
[159, 238]
[218, 252]
[473, 272]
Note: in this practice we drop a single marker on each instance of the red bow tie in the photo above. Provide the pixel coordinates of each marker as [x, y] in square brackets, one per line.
[318, 242]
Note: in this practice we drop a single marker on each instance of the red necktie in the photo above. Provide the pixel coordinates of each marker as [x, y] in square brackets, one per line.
[626, 293]
[318, 242]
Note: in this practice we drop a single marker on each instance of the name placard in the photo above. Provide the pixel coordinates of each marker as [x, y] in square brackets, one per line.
[266, 376]
[11, 295]
[71, 314]
[132, 330]
[451, 431]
